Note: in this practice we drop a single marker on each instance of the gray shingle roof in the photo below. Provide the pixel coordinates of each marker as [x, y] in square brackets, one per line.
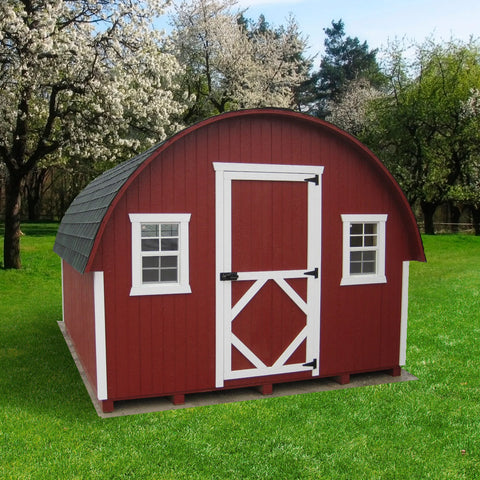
[81, 223]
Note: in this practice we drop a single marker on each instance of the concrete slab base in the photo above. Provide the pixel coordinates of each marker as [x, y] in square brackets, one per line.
[148, 405]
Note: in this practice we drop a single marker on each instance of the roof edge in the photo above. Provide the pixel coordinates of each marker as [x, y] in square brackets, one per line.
[419, 254]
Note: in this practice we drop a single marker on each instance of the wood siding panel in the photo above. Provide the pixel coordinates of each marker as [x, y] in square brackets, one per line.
[359, 329]
[165, 344]
[79, 317]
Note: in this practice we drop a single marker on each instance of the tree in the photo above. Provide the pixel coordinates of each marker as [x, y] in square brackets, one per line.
[422, 131]
[467, 190]
[346, 59]
[84, 79]
[352, 111]
[232, 62]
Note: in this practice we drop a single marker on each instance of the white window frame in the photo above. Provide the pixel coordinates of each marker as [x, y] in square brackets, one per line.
[165, 288]
[364, 279]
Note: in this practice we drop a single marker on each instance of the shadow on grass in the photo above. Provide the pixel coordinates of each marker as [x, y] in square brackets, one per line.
[36, 229]
[41, 229]
[38, 374]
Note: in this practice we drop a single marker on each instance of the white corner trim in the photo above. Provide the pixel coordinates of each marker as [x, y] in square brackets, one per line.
[63, 291]
[404, 314]
[100, 337]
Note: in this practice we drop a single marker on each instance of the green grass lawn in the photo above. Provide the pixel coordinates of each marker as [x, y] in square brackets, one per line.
[425, 429]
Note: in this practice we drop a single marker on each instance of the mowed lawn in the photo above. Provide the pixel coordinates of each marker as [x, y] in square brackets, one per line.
[425, 429]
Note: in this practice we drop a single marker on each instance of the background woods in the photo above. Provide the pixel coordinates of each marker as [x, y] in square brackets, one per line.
[87, 84]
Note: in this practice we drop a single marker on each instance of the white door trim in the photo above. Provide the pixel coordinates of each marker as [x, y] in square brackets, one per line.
[225, 173]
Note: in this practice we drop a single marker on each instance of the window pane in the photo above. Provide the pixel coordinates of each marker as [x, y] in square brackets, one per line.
[355, 256]
[169, 262]
[355, 268]
[169, 275]
[169, 229]
[370, 229]
[150, 245]
[369, 267]
[149, 230]
[356, 229]
[150, 262]
[150, 276]
[369, 256]
[169, 244]
[371, 241]
[356, 241]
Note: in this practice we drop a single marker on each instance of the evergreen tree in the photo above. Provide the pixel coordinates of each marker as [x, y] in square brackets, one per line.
[346, 59]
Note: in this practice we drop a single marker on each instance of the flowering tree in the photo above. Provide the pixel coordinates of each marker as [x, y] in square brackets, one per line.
[353, 110]
[78, 79]
[231, 63]
[425, 127]
[467, 190]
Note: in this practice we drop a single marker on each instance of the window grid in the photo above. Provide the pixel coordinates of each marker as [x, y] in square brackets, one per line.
[363, 248]
[159, 245]
[160, 253]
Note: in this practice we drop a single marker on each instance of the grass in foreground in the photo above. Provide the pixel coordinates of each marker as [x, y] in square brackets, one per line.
[428, 428]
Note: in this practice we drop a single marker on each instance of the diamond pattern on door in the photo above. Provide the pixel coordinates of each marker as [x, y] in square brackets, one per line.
[268, 323]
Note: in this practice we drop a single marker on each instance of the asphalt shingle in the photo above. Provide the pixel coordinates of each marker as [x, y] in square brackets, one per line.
[80, 225]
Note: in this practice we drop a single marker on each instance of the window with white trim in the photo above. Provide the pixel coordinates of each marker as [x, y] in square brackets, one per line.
[363, 249]
[160, 253]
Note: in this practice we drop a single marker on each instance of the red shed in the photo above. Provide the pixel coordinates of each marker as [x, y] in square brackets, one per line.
[253, 248]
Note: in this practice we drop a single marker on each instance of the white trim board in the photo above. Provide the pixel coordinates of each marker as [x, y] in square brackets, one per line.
[63, 290]
[100, 337]
[267, 168]
[404, 314]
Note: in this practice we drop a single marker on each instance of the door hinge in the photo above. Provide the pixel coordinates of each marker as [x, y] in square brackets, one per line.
[312, 364]
[313, 179]
[228, 276]
[313, 273]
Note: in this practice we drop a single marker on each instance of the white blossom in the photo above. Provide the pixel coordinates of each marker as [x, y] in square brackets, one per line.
[242, 68]
[83, 76]
[351, 112]
[471, 107]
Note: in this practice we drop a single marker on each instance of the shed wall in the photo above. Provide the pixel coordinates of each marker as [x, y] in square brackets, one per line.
[79, 317]
[159, 345]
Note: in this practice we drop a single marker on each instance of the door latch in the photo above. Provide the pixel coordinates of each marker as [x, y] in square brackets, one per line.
[312, 364]
[228, 276]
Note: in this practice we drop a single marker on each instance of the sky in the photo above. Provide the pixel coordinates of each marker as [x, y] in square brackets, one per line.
[376, 21]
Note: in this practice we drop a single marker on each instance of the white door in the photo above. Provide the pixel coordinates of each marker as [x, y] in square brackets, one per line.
[268, 264]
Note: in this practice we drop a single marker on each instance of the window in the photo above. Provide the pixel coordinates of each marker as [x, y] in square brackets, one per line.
[363, 249]
[159, 254]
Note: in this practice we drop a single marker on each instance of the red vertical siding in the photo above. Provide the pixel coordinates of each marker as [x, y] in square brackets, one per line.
[79, 317]
[159, 345]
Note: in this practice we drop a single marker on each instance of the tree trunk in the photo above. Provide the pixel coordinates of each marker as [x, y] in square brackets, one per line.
[454, 219]
[34, 185]
[11, 241]
[428, 210]
[476, 220]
